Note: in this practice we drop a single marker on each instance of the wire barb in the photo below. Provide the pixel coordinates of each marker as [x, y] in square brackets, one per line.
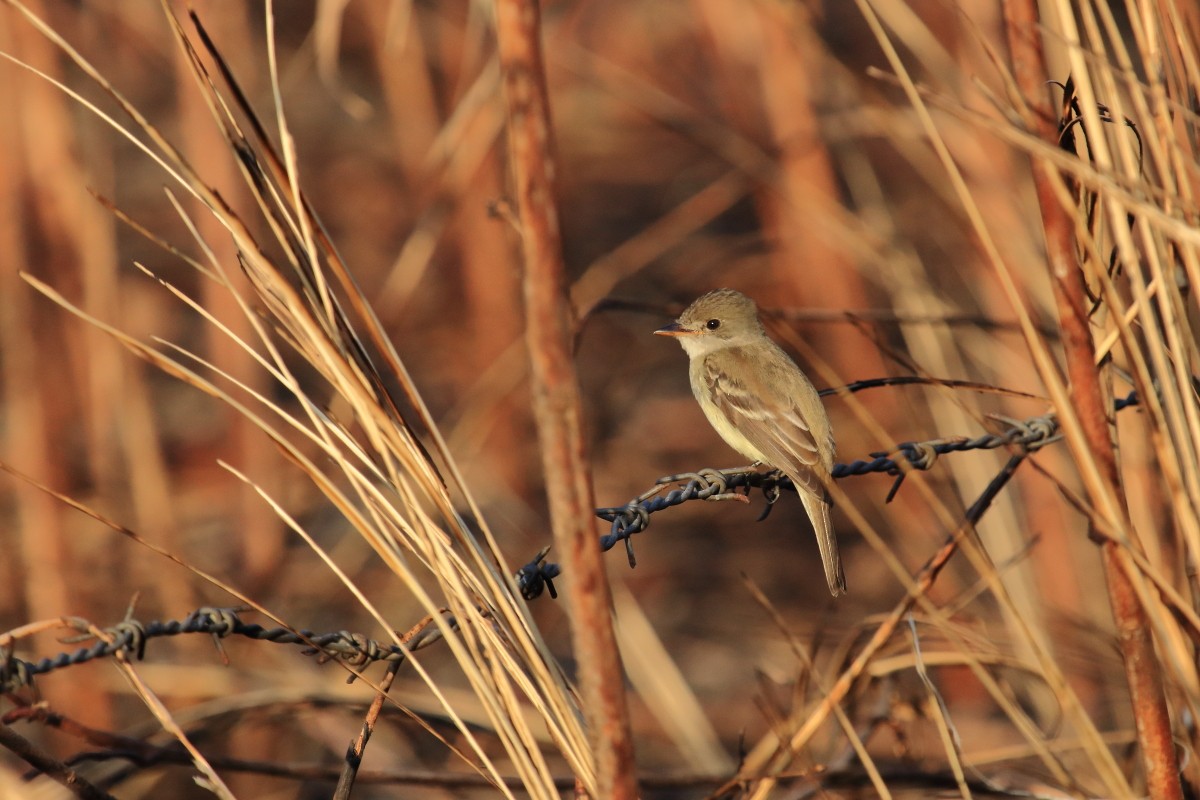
[538, 575]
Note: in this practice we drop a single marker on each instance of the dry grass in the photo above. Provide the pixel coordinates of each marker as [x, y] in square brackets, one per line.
[329, 418]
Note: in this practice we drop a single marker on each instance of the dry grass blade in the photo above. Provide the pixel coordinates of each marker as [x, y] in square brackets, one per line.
[211, 780]
[949, 736]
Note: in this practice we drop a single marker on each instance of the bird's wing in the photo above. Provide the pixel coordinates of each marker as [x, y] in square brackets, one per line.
[771, 421]
[765, 407]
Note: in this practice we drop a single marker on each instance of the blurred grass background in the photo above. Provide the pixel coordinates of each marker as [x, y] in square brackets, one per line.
[701, 144]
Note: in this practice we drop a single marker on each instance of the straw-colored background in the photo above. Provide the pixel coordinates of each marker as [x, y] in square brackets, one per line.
[701, 144]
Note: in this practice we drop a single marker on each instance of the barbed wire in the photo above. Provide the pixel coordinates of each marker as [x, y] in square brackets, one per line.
[353, 649]
[130, 636]
[357, 650]
[721, 484]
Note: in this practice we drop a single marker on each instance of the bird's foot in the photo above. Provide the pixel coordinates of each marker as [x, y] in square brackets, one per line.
[771, 492]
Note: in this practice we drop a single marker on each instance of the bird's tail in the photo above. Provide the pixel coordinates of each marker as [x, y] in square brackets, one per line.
[818, 511]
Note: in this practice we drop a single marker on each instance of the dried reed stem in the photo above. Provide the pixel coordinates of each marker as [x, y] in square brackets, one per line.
[1142, 671]
[556, 397]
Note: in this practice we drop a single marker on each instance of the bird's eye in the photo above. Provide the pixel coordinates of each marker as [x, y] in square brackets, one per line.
[713, 324]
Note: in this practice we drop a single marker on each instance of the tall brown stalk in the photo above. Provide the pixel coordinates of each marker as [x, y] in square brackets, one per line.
[1090, 401]
[556, 396]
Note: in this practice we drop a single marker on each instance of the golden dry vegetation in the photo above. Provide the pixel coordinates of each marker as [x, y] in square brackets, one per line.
[321, 409]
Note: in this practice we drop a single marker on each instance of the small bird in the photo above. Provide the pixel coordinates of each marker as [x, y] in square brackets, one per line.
[761, 404]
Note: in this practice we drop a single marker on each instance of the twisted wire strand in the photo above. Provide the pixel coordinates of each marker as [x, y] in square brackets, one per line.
[710, 484]
[353, 649]
[130, 636]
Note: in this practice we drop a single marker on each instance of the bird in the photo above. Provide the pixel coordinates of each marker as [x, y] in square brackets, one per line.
[762, 405]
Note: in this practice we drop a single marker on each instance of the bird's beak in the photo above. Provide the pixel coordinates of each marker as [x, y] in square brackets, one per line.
[674, 329]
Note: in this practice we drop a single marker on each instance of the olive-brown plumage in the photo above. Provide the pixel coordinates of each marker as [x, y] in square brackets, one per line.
[761, 404]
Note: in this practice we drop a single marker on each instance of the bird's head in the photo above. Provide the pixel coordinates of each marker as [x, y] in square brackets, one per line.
[719, 319]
